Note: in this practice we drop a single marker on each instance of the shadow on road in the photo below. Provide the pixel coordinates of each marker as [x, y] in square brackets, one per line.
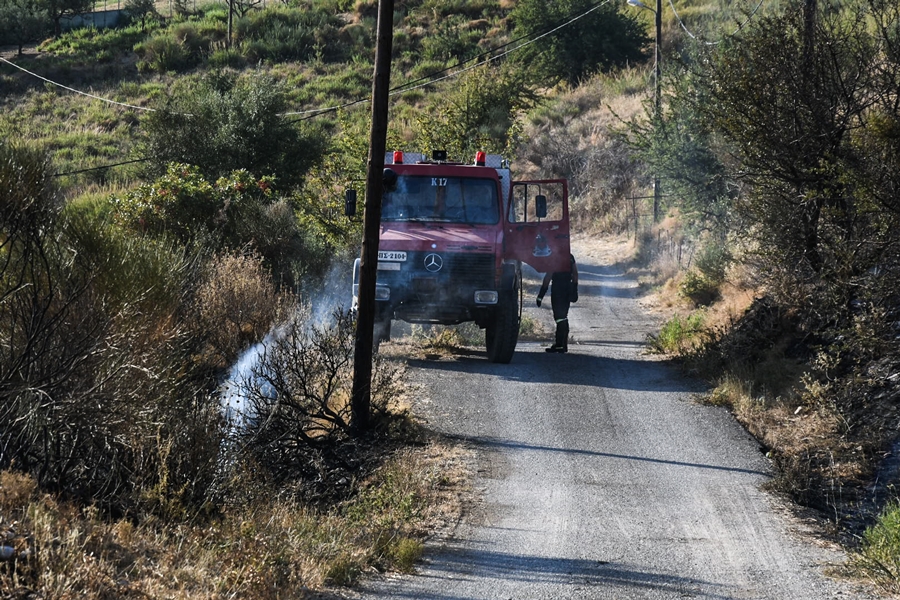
[455, 562]
[573, 368]
[495, 443]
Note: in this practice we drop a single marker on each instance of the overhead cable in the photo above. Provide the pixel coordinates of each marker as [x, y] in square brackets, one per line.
[739, 27]
[430, 80]
[65, 87]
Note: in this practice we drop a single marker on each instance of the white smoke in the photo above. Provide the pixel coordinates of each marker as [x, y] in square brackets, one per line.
[323, 298]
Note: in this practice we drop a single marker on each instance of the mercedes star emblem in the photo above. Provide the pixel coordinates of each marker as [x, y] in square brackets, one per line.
[433, 263]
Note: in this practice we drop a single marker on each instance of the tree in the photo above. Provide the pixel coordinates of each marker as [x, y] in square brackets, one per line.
[598, 41]
[57, 9]
[479, 114]
[140, 9]
[795, 128]
[679, 147]
[224, 123]
[22, 22]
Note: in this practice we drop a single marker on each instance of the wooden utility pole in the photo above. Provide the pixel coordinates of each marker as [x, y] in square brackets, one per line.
[657, 97]
[365, 322]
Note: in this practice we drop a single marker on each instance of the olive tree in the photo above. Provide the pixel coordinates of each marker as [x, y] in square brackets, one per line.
[22, 22]
[224, 123]
[601, 39]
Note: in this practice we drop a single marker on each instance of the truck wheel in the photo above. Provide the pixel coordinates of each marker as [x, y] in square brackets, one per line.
[502, 334]
[382, 330]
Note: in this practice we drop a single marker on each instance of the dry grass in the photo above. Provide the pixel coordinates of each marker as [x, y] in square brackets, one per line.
[235, 305]
[823, 440]
[273, 548]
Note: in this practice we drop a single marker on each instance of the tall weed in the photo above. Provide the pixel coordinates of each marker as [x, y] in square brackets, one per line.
[680, 335]
[879, 554]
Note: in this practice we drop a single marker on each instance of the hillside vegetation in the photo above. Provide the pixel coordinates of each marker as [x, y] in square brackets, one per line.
[170, 193]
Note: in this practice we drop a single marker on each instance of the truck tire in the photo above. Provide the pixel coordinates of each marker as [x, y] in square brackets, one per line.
[502, 334]
[382, 332]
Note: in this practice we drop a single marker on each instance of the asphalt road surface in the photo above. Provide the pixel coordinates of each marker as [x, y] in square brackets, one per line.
[600, 476]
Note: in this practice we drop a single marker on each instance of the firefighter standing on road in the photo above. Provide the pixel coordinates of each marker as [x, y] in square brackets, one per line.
[563, 291]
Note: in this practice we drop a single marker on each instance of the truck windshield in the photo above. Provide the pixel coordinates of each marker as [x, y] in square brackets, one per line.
[442, 199]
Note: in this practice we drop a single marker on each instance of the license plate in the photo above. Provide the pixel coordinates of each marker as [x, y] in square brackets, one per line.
[388, 266]
[391, 255]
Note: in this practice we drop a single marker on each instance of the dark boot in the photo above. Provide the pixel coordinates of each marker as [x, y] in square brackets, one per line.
[562, 335]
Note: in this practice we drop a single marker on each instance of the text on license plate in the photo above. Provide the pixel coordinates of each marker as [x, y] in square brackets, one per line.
[391, 255]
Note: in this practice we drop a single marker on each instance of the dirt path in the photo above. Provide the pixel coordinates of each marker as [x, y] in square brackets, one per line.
[599, 477]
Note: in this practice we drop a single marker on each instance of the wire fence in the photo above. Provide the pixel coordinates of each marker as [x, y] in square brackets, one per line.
[167, 7]
[660, 243]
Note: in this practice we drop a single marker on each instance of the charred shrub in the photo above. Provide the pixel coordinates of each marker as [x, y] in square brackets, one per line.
[97, 397]
[292, 407]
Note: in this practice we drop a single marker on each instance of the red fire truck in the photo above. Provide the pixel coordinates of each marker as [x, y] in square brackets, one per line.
[453, 239]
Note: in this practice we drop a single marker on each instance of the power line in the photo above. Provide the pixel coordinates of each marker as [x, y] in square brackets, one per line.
[405, 87]
[65, 87]
[127, 162]
[739, 27]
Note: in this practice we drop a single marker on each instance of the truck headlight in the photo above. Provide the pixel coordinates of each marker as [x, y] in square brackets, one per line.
[382, 292]
[486, 297]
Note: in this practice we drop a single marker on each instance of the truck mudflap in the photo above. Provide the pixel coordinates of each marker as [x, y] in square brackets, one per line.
[537, 224]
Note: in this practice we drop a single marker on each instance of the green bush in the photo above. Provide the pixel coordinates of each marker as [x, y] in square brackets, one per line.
[163, 53]
[701, 285]
[222, 58]
[451, 40]
[879, 553]
[600, 41]
[226, 122]
[280, 34]
[239, 211]
[680, 335]
[89, 44]
[698, 288]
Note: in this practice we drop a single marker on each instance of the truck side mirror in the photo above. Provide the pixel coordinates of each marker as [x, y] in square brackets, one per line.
[389, 180]
[350, 203]
[540, 206]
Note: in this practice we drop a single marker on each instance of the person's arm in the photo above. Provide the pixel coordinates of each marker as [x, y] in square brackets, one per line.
[544, 285]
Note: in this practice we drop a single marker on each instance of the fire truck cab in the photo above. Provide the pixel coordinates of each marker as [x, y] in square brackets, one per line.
[452, 241]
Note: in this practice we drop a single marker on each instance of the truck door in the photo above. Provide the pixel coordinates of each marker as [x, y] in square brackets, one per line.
[537, 224]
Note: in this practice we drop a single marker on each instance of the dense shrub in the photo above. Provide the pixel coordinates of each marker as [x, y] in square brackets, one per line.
[164, 53]
[602, 39]
[280, 33]
[98, 400]
[238, 211]
[481, 113]
[223, 123]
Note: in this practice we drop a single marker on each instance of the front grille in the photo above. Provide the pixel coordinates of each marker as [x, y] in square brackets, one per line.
[460, 274]
[473, 267]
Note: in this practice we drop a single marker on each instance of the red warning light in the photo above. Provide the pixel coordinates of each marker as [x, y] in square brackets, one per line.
[398, 157]
[479, 158]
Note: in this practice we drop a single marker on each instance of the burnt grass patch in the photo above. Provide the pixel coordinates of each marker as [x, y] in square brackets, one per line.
[823, 401]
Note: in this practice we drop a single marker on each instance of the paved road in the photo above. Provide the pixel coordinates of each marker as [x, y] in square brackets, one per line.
[601, 478]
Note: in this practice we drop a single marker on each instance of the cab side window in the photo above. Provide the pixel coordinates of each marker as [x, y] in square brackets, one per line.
[525, 204]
